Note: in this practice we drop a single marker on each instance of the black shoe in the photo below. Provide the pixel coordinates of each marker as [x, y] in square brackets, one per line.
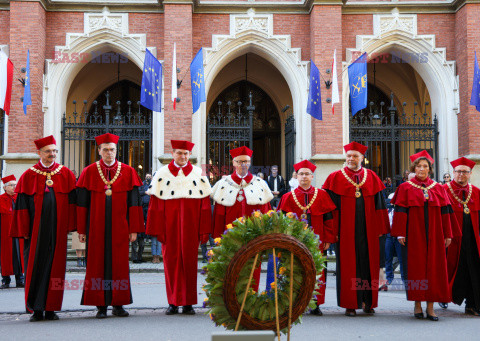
[51, 316]
[443, 305]
[419, 315]
[136, 261]
[350, 312]
[368, 310]
[432, 318]
[79, 262]
[101, 313]
[84, 262]
[20, 285]
[472, 311]
[316, 311]
[171, 310]
[5, 286]
[119, 311]
[37, 316]
[188, 309]
[383, 287]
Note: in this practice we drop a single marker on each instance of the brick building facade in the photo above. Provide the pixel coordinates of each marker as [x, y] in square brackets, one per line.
[436, 41]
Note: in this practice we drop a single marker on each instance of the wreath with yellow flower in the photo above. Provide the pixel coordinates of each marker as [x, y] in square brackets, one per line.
[248, 241]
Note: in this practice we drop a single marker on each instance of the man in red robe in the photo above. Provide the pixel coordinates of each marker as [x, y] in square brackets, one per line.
[180, 216]
[362, 217]
[463, 254]
[44, 215]
[315, 206]
[109, 216]
[238, 195]
[11, 249]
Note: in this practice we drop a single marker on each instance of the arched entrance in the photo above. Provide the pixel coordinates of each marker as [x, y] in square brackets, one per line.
[229, 125]
[104, 98]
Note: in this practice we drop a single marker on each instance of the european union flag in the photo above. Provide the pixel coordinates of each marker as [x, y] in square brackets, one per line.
[198, 81]
[314, 106]
[151, 91]
[475, 99]
[27, 96]
[357, 77]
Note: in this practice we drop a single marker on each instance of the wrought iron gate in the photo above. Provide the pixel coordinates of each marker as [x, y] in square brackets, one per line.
[392, 137]
[289, 145]
[132, 124]
[227, 129]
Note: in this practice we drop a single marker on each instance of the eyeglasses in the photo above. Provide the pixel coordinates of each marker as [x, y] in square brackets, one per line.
[304, 174]
[462, 172]
[446, 177]
[246, 162]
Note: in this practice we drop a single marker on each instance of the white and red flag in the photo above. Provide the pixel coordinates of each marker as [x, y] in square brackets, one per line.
[6, 78]
[174, 76]
[335, 95]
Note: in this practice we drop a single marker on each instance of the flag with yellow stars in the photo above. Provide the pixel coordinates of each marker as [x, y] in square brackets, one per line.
[314, 106]
[27, 95]
[198, 82]
[475, 98]
[151, 91]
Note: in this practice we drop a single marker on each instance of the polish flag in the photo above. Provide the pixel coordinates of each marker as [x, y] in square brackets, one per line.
[335, 96]
[6, 78]
[174, 76]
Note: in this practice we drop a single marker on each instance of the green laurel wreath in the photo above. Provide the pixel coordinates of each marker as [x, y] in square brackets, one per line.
[258, 305]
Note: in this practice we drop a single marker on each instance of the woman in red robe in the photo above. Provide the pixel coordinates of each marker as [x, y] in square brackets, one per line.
[422, 222]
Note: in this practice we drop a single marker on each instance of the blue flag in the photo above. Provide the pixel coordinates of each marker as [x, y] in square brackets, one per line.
[314, 106]
[151, 91]
[198, 81]
[27, 96]
[475, 99]
[357, 77]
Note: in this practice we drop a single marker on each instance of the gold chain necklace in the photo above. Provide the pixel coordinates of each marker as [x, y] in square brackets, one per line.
[304, 208]
[358, 194]
[108, 192]
[49, 175]
[424, 189]
[464, 203]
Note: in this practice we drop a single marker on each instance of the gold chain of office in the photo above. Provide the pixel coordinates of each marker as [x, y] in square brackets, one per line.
[463, 202]
[424, 189]
[305, 208]
[108, 191]
[358, 194]
[49, 175]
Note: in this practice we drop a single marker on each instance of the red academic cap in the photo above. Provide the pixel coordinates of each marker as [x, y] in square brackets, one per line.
[9, 178]
[355, 146]
[45, 142]
[107, 138]
[304, 164]
[241, 151]
[463, 161]
[180, 144]
[424, 154]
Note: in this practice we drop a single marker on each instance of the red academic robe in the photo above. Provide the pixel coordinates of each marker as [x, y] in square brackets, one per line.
[44, 215]
[11, 249]
[321, 215]
[180, 215]
[255, 196]
[453, 251]
[425, 224]
[107, 221]
[360, 222]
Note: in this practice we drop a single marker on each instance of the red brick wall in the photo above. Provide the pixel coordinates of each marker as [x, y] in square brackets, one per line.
[353, 25]
[443, 26]
[27, 28]
[298, 27]
[4, 27]
[151, 24]
[58, 24]
[205, 25]
[178, 124]
[467, 40]
[325, 36]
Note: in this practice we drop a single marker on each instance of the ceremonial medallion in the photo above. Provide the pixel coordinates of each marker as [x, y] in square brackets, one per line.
[108, 192]
[358, 194]
[240, 198]
[49, 182]
[466, 209]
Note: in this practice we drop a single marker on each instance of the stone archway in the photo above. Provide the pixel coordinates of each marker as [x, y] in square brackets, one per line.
[399, 32]
[101, 31]
[253, 33]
